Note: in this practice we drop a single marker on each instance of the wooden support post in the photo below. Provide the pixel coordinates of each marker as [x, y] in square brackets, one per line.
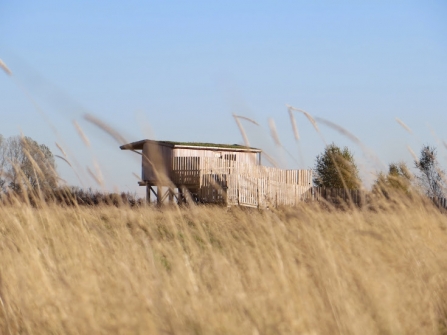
[148, 194]
[171, 195]
[180, 195]
[159, 195]
[152, 190]
[166, 195]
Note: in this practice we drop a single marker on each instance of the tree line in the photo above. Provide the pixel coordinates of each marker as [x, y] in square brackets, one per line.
[28, 173]
[26, 165]
[336, 168]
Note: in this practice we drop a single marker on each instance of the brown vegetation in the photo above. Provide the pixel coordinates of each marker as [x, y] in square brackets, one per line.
[213, 270]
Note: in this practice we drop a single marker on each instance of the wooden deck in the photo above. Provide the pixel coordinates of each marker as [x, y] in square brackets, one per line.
[234, 183]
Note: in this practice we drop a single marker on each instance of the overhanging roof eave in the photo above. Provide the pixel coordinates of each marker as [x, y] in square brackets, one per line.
[140, 144]
[180, 146]
[135, 145]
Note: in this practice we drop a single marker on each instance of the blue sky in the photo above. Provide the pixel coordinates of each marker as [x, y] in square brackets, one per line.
[177, 70]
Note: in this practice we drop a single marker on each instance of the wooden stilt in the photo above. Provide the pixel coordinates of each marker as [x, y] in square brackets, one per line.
[148, 194]
[166, 195]
[180, 196]
[159, 195]
[171, 195]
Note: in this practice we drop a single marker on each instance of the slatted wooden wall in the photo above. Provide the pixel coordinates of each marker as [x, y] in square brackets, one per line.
[156, 163]
[183, 165]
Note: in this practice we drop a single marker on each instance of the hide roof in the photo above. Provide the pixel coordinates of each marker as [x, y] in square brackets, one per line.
[192, 145]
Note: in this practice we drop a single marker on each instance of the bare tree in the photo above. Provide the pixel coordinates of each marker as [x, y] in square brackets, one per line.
[431, 177]
[26, 164]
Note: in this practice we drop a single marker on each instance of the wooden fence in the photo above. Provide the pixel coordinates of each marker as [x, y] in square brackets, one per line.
[250, 185]
[440, 202]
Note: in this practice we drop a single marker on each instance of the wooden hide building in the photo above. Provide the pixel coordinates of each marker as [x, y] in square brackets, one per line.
[216, 173]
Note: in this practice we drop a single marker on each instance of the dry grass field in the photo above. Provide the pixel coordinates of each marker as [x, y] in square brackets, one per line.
[214, 270]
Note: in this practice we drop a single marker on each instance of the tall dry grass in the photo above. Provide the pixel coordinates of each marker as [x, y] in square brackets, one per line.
[213, 270]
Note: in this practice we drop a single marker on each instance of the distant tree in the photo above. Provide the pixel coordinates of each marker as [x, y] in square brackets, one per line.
[336, 168]
[26, 164]
[431, 177]
[398, 178]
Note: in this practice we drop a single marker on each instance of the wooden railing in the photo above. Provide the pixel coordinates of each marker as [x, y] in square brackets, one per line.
[440, 202]
[237, 183]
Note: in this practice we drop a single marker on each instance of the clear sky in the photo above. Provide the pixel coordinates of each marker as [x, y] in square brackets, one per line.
[177, 70]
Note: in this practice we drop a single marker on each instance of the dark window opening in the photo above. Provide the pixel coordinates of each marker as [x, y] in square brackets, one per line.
[230, 157]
